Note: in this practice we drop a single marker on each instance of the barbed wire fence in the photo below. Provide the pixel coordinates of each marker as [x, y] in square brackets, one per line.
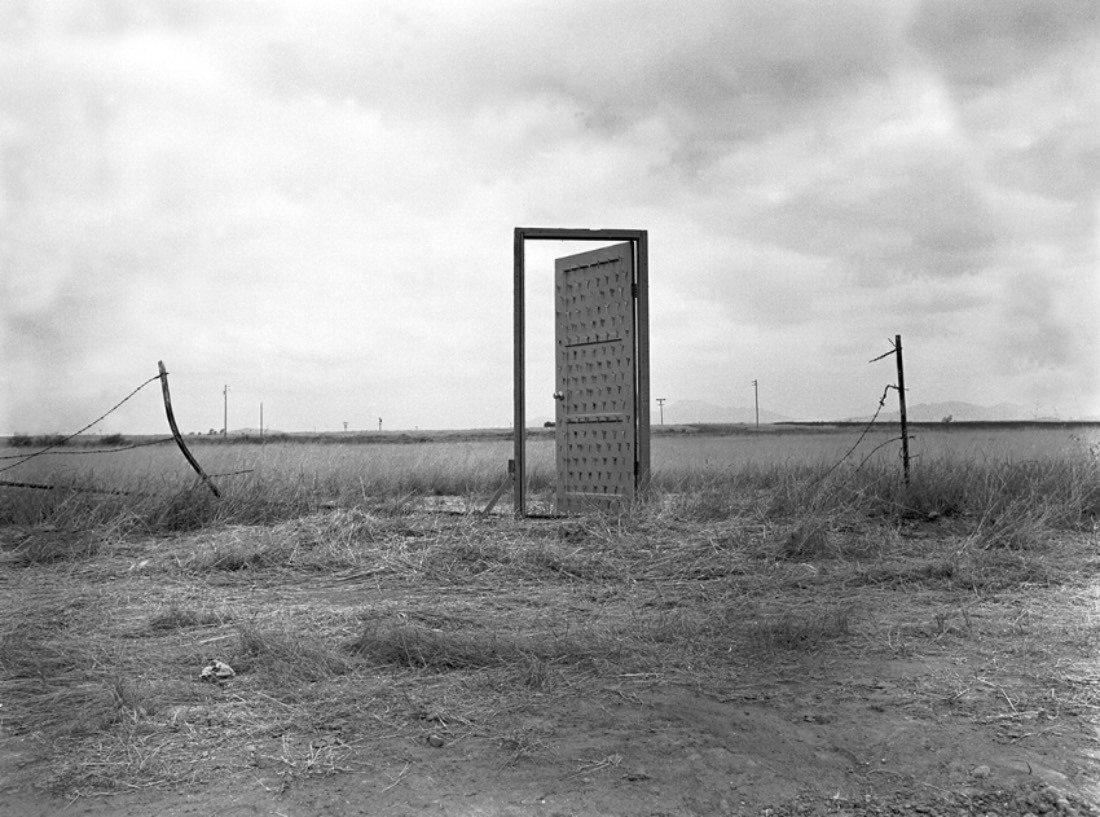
[57, 442]
[162, 375]
[904, 437]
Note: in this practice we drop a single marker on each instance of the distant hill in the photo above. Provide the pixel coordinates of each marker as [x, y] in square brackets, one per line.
[963, 412]
[685, 412]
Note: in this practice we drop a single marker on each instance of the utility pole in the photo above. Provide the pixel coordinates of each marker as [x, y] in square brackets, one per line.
[261, 421]
[661, 403]
[225, 414]
[756, 396]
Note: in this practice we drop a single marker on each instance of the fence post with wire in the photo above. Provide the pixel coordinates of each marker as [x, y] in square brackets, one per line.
[176, 432]
[904, 420]
[904, 438]
[59, 441]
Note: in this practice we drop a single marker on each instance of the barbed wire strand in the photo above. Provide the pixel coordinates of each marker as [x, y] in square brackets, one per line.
[41, 487]
[73, 452]
[232, 473]
[871, 453]
[81, 431]
[855, 445]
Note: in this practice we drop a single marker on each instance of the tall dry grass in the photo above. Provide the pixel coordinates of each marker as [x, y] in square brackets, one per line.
[1004, 493]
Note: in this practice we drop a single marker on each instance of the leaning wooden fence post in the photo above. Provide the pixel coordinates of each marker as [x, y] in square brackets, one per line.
[176, 431]
[901, 410]
[504, 486]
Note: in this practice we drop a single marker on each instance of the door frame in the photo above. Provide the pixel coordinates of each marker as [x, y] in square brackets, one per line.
[640, 240]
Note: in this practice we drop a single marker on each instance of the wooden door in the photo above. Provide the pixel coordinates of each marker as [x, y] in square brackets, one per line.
[596, 379]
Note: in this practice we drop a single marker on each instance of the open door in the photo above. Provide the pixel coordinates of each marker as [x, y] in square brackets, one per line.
[596, 383]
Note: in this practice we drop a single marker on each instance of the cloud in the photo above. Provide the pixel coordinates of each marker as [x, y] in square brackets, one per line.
[1036, 331]
[986, 43]
[1022, 75]
[722, 74]
[1040, 133]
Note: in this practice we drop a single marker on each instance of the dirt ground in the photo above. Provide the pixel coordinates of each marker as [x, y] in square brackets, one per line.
[862, 739]
[943, 699]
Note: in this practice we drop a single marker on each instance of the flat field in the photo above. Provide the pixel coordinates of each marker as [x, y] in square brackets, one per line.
[472, 464]
[779, 630]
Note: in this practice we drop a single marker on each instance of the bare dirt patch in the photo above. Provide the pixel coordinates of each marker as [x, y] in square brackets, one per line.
[428, 663]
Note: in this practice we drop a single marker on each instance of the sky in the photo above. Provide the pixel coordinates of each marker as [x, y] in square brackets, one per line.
[309, 206]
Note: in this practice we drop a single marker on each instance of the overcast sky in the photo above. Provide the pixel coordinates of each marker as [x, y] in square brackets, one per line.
[313, 202]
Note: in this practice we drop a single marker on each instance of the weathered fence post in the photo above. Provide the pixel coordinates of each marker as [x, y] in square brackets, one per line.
[901, 410]
[176, 431]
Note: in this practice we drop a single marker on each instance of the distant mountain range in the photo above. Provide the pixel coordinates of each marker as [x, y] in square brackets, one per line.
[684, 412]
[960, 411]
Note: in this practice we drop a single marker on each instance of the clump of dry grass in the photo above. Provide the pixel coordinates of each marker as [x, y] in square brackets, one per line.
[285, 656]
[41, 639]
[80, 533]
[992, 571]
[60, 678]
[411, 645]
[177, 617]
[239, 549]
[809, 540]
[324, 541]
[47, 545]
[472, 554]
[802, 630]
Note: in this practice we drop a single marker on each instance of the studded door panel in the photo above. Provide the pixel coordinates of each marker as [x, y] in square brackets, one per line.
[595, 381]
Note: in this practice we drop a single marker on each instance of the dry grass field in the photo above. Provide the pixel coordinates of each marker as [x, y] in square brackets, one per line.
[766, 634]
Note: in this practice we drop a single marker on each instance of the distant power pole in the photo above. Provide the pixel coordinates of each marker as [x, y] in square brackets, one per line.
[661, 403]
[379, 423]
[756, 398]
[225, 411]
[261, 421]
